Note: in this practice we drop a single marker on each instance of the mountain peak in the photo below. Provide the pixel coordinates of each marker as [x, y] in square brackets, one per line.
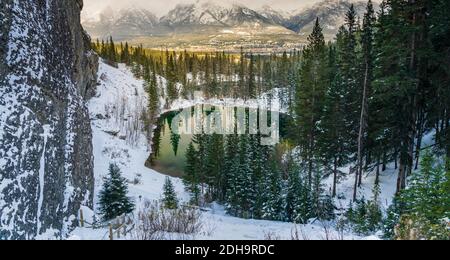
[213, 17]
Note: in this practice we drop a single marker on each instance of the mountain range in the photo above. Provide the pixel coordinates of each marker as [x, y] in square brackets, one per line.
[206, 21]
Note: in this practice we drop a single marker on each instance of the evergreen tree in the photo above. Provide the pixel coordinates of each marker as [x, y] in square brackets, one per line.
[367, 48]
[153, 94]
[332, 144]
[232, 165]
[427, 194]
[113, 196]
[310, 95]
[191, 179]
[251, 92]
[125, 54]
[169, 200]
[112, 54]
[245, 186]
[271, 192]
[214, 167]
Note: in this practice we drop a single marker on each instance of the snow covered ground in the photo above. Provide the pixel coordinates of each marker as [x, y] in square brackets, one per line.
[115, 113]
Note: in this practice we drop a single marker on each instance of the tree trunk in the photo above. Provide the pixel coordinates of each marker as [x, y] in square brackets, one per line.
[396, 159]
[335, 177]
[419, 139]
[447, 144]
[355, 187]
[362, 127]
[401, 180]
[413, 123]
[377, 177]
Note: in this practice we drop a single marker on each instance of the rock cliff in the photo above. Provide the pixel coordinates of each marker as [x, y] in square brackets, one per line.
[47, 72]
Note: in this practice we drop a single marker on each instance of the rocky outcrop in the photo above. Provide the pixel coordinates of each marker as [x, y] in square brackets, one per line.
[47, 72]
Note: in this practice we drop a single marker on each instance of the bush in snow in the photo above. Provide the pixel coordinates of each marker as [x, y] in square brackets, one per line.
[114, 201]
[155, 222]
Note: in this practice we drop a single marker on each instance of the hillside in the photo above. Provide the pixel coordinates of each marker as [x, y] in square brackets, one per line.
[116, 92]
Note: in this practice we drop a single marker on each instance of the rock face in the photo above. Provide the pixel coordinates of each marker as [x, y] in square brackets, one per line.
[47, 72]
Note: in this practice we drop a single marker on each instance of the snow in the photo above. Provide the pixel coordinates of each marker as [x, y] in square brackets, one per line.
[264, 101]
[131, 157]
[117, 85]
[42, 176]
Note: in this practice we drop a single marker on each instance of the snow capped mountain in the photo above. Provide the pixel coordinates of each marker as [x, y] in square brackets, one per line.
[132, 22]
[211, 13]
[136, 17]
[213, 17]
[275, 16]
[331, 14]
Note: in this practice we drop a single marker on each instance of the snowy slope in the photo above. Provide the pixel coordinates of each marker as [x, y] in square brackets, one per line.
[111, 145]
[118, 104]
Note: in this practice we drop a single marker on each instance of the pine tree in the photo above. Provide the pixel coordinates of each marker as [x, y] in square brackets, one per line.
[169, 200]
[245, 186]
[251, 92]
[191, 179]
[271, 192]
[214, 166]
[310, 95]
[332, 144]
[297, 204]
[172, 90]
[112, 54]
[367, 47]
[374, 213]
[125, 54]
[242, 71]
[232, 165]
[113, 196]
[153, 94]
[427, 195]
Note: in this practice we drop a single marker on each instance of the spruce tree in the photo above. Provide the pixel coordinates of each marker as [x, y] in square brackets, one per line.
[191, 179]
[251, 92]
[169, 200]
[113, 196]
[367, 49]
[215, 167]
[333, 144]
[245, 187]
[153, 94]
[427, 195]
[112, 54]
[232, 165]
[310, 96]
[271, 192]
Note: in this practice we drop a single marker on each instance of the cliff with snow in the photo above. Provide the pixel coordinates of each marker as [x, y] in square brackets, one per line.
[46, 74]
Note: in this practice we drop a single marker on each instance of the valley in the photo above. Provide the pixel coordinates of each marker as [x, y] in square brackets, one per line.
[213, 120]
[215, 26]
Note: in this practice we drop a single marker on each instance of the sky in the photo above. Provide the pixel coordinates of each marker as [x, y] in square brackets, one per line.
[161, 7]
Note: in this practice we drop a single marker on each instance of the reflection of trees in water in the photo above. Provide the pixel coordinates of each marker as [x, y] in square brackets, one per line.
[174, 138]
[164, 124]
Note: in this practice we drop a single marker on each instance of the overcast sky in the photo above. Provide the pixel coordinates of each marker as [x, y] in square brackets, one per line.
[160, 7]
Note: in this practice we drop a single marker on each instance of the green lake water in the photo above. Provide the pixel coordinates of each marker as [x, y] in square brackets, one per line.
[169, 148]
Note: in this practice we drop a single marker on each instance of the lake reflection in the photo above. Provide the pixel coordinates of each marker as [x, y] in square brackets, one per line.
[170, 145]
